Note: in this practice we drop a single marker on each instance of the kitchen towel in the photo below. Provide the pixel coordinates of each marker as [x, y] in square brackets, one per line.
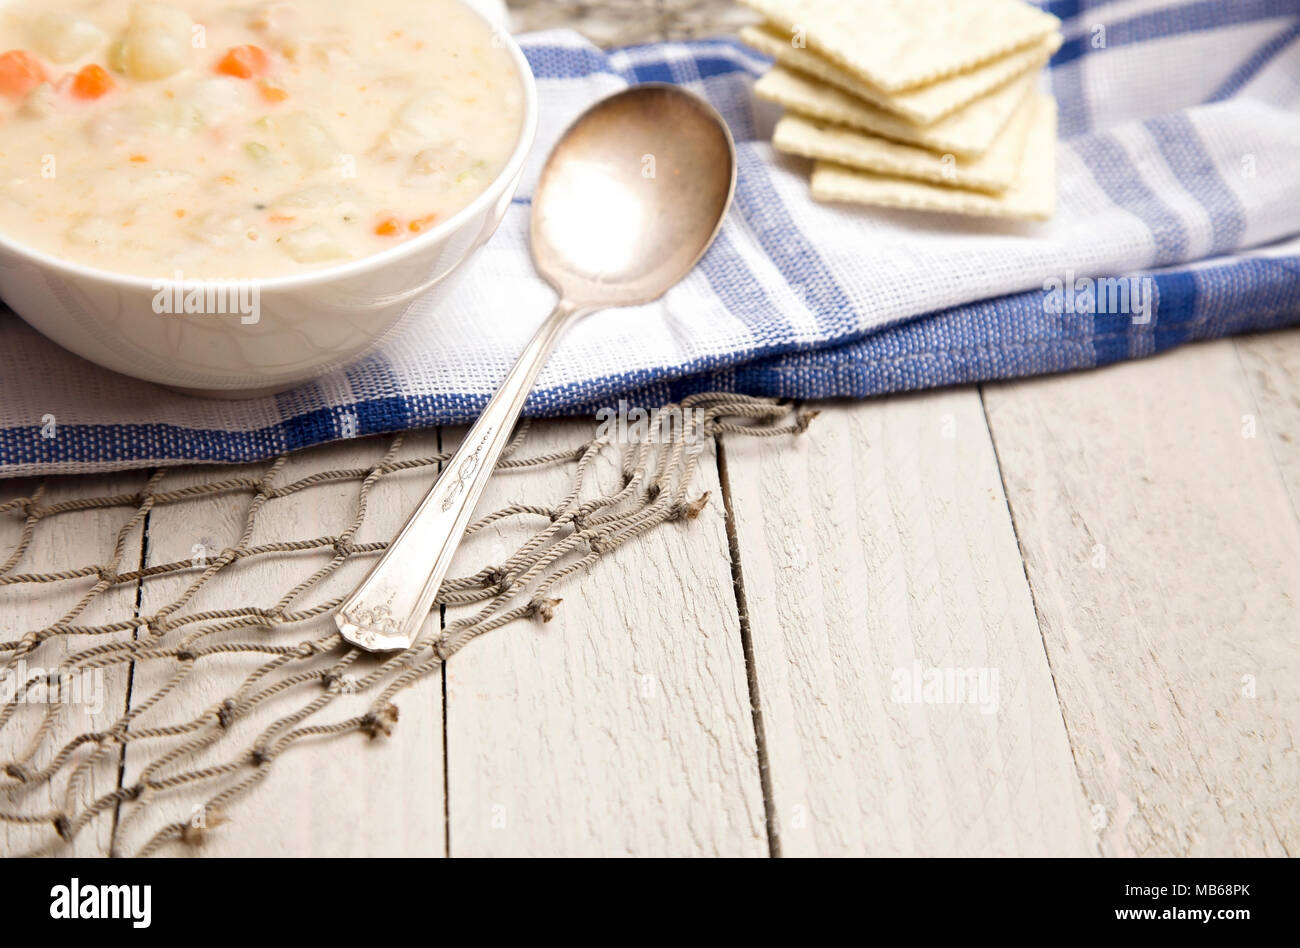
[1179, 179]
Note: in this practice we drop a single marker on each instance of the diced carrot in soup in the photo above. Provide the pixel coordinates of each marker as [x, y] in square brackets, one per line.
[20, 73]
[91, 82]
[244, 62]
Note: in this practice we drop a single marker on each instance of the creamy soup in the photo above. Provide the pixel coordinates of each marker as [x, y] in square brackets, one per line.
[226, 139]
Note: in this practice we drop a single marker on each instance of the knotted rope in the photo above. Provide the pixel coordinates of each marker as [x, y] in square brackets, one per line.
[292, 664]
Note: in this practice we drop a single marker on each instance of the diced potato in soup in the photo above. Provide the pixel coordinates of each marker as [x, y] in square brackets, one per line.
[223, 139]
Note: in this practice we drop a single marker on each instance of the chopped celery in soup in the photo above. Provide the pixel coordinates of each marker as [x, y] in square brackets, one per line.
[224, 139]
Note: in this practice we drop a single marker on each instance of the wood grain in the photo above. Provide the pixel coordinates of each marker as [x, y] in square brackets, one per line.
[1162, 547]
[348, 797]
[1272, 366]
[878, 544]
[621, 727]
[62, 542]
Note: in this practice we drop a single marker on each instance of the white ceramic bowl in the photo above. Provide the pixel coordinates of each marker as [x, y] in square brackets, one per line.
[306, 326]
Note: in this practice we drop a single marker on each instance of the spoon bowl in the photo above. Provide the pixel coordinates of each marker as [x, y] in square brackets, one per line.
[632, 196]
[629, 200]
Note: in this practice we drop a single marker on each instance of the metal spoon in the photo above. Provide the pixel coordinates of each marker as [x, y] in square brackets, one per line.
[628, 202]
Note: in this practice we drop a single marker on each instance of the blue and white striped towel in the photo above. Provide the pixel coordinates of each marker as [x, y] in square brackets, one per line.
[1180, 161]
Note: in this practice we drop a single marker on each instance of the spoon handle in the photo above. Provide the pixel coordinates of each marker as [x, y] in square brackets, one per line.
[386, 611]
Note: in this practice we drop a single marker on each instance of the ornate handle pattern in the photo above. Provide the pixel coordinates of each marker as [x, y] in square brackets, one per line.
[389, 607]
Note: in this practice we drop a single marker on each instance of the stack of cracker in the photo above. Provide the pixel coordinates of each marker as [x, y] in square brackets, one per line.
[921, 104]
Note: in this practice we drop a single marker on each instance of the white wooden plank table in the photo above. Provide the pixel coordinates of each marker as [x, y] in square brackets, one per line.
[1119, 548]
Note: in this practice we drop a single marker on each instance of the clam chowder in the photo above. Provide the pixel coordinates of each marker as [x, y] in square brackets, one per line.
[224, 139]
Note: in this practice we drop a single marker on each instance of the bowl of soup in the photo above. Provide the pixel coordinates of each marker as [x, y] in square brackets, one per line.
[234, 198]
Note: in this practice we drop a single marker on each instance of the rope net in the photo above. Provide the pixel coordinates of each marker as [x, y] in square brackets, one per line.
[277, 671]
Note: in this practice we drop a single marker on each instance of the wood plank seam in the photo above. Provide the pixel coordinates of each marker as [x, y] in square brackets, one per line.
[446, 759]
[881, 545]
[138, 614]
[624, 726]
[297, 817]
[1033, 598]
[747, 645]
[1162, 563]
[40, 532]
